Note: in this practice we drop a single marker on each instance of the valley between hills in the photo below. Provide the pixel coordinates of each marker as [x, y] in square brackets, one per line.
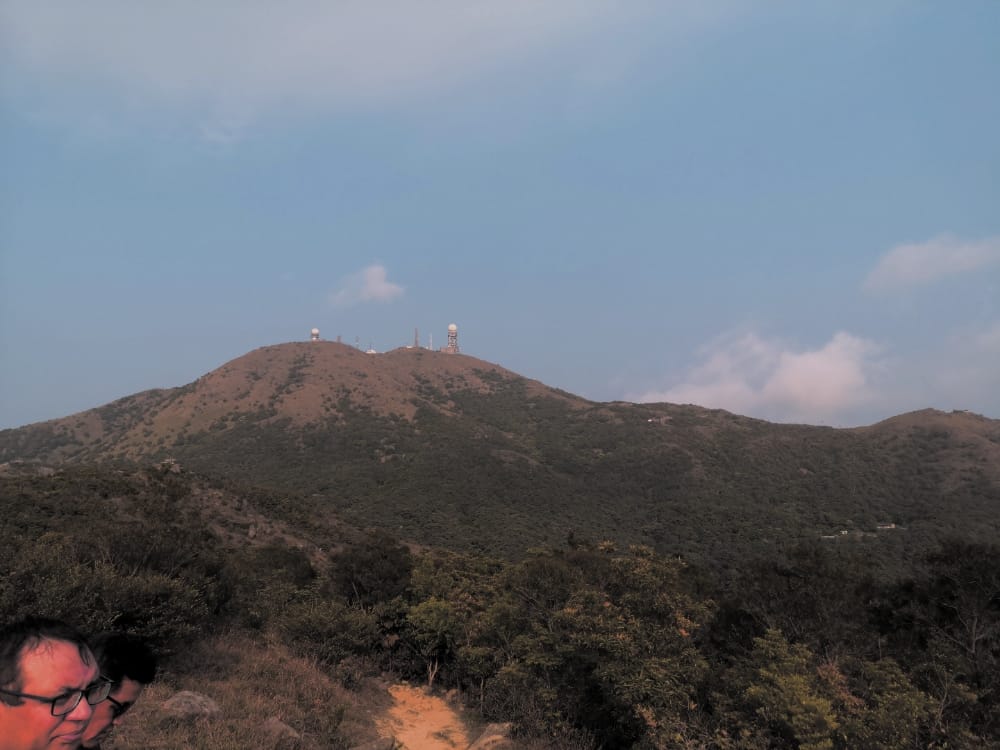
[596, 574]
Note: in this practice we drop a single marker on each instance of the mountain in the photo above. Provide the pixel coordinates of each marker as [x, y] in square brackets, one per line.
[450, 450]
[298, 384]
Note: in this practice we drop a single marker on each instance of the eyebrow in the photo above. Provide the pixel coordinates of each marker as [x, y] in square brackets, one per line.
[72, 688]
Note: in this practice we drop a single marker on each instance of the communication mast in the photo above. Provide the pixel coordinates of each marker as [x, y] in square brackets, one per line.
[452, 347]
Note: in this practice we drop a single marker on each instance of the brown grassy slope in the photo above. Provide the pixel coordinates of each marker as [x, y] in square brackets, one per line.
[252, 681]
[256, 680]
[301, 382]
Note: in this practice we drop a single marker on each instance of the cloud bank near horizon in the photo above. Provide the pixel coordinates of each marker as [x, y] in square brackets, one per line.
[849, 381]
[749, 374]
[851, 377]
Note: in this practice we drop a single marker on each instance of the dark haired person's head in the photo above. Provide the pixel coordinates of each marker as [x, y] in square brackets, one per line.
[49, 683]
[130, 665]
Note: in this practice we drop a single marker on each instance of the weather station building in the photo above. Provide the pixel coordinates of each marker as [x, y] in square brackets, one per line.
[452, 347]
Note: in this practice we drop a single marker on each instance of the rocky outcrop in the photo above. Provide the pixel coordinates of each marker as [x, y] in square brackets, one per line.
[494, 737]
[282, 736]
[190, 705]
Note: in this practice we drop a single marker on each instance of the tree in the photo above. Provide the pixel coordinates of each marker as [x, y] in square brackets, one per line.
[433, 627]
[786, 694]
[374, 570]
[884, 710]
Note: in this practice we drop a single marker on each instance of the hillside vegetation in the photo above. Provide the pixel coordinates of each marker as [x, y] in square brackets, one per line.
[447, 450]
[581, 646]
[602, 575]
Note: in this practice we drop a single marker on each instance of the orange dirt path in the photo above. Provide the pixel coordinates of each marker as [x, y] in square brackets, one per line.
[422, 722]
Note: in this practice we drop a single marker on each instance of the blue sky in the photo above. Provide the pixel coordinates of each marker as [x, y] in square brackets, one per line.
[788, 210]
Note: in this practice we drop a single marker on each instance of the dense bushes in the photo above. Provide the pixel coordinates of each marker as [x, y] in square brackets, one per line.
[328, 630]
[585, 644]
[107, 551]
[598, 648]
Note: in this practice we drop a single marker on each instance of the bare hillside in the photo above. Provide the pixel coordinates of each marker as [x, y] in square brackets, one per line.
[298, 384]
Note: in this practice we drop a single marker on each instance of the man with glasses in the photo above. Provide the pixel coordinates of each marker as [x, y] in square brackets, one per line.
[129, 665]
[49, 684]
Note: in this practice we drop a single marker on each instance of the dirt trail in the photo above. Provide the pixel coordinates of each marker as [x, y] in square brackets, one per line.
[422, 722]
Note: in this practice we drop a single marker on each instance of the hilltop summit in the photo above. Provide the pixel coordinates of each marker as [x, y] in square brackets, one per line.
[448, 449]
[297, 384]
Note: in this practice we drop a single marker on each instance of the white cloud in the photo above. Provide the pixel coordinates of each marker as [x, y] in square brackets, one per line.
[237, 59]
[367, 285]
[751, 375]
[926, 262]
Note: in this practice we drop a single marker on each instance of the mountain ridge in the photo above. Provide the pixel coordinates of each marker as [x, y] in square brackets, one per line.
[302, 381]
[451, 450]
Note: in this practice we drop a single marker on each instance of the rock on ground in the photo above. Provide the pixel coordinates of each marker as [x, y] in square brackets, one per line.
[190, 705]
[282, 736]
[494, 737]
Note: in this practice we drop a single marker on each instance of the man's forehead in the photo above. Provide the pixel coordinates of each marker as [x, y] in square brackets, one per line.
[128, 691]
[57, 665]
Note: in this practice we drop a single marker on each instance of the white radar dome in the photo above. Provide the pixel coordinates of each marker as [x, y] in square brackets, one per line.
[453, 327]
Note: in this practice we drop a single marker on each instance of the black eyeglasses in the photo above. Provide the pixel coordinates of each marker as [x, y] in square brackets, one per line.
[118, 708]
[65, 703]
